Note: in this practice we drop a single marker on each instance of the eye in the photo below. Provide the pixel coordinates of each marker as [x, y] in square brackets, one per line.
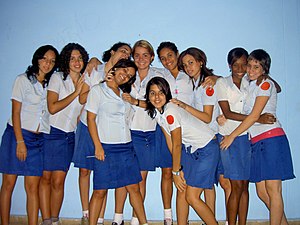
[151, 93]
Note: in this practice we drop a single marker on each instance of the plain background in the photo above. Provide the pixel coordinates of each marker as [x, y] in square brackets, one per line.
[214, 26]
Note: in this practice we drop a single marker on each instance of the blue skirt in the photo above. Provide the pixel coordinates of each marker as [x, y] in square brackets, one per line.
[236, 159]
[200, 167]
[271, 160]
[144, 146]
[10, 164]
[119, 168]
[84, 147]
[58, 150]
[163, 156]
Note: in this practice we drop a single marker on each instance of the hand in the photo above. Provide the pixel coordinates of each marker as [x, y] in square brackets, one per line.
[110, 75]
[21, 151]
[79, 84]
[178, 102]
[180, 182]
[209, 81]
[128, 98]
[267, 118]
[92, 64]
[99, 153]
[221, 119]
[226, 142]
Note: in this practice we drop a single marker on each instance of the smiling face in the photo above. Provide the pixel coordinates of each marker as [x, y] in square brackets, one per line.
[142, 58]
[191, 66]
[76, 62]
[239, 67]
[47, 63]
[123, 52]
[254, 69]
[157, 97]
[123, 75]
[168, 58]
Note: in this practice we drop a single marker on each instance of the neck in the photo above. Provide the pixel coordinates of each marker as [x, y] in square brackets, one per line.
[143, 73]
[175, 72]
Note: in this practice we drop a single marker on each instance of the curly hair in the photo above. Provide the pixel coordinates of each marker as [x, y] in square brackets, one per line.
[65, 56]
[107, 54]
[33, 70]
[164, 86]
[167, 44]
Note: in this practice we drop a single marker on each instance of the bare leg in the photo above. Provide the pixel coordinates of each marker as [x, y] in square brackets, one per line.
[136, 202]
[182, 208]
[166, 187]
[103, 207]
[210, 198]
[225, 184]
[45, 194]
[32, 202]
[8, 185]
[84, 187]
[142, 187]
[244, 204]
[120, 198]
[57, 192]
[95, 205]
[203, 211]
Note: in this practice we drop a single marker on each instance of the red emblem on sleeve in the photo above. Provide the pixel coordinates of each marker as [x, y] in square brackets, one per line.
[210, 91]
[265, 86]
[170, 119]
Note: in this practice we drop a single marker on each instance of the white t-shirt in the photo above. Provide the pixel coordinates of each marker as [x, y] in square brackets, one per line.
[33, 96]
[66, 119]
[195, 133]
[141, 120]
[266, 88]
[228, 91]
[181, 86]
[113, 114]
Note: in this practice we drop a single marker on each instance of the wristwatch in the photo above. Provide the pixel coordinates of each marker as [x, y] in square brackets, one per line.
[177, 173]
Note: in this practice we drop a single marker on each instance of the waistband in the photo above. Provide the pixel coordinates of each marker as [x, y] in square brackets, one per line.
[268, 134]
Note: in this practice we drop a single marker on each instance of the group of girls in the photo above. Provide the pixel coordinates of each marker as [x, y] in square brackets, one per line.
[135, 118]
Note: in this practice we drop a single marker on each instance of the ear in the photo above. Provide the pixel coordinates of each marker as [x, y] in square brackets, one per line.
[152, 58]
[112, 52]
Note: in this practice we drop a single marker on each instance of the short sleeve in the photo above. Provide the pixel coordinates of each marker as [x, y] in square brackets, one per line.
[221, 90]
[173, 118]
[209, 96]
[55, 83]
[265, 88]
[19, 88]
[93, 100]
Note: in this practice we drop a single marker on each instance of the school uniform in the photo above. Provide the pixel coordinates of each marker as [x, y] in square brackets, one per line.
[199, 157]
[84, 145]
[34, 120]
[120, 167]
[208, 96]
[236, 159]
[181, 88]
[271, 156]
[59, 143]
[142, 126]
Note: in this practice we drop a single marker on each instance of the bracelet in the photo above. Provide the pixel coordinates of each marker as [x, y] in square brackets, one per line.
[21, 141]
[177, 173]
[138, 103]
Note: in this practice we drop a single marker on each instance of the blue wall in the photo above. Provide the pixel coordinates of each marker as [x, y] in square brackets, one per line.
[214, 26]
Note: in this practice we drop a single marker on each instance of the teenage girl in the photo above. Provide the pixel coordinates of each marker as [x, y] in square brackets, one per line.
[142, 126]
[108, 122]
[84, 146]
[64, 107]
[195, 164]
[271, 160]
[22, 141]
[182, 88]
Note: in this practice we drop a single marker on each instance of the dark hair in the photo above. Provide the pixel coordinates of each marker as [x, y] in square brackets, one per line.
[32, 70]
[125, 63]
[235, 54]
[65, 56]
[164, 86]
[263, 57]
[167, 44]
[199, 56]
[107, 54]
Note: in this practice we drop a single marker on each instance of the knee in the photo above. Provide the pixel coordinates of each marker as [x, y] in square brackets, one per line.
[133, 189]
[7, 186]
[32, 187]
[167, 174]
[57, 184]
[83, 173]
[189, 199]
[225, 184]
[99, 194]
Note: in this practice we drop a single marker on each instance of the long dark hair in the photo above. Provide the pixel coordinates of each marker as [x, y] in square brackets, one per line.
[164, 86]
[199, 56]
[32, 70]
[65, 56]
[125, 63]
[107, 54]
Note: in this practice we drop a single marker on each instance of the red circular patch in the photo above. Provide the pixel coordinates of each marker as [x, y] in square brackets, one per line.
[170, 119]
[210, 91]
[265, 86]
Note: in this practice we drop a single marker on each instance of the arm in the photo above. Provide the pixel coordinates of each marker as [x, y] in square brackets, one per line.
[55, 105]
[210, 81]
[84, 93]
[92, 64]
[21, 150]
[176, 137]
[259, 105]
[91, 121]
[137, 102]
